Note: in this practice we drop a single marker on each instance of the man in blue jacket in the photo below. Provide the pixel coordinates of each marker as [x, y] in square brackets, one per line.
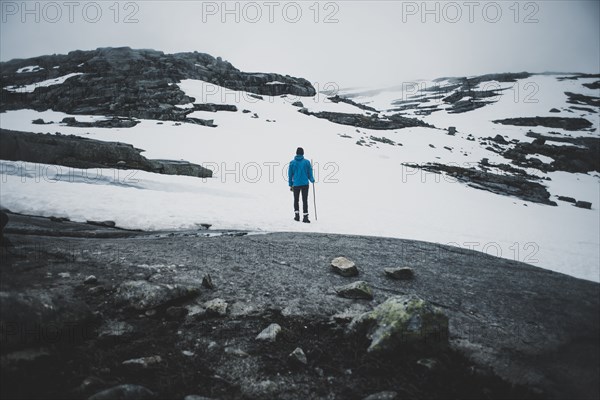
[300, 173]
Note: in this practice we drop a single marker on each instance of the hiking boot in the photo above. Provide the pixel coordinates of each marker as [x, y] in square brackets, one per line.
[305, 219]
[297, 217]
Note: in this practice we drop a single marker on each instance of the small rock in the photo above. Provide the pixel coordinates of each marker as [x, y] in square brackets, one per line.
[144, 362]
[298, 104]
[207, 282]
[400, 273]
[344, 266]
[124, 392]
[583, 204]
[355, 290]
[188, 353]
[389, 395]
[554, 110]
[64, 274]
[236, 352]
[216, 307]
[452, 130]
[269, 334]
[196, 397]
[90, 280]
[298, 357]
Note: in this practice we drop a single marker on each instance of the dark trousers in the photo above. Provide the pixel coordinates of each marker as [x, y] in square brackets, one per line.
[304, 190]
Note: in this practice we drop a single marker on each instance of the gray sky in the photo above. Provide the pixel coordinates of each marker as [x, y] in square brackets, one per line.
[351, 43]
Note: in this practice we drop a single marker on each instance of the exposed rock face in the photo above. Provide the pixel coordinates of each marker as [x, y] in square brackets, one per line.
[132, 83]
[569, 124]
[214, 107]
[581, 158]
[339, 99]
[517, 186]
[394, 121]
[114, 122]
[78, 152]
[401, 320]
[581, 99]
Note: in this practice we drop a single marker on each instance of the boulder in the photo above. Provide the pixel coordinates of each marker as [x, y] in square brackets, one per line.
[143, 295]
[355, 290]
[344, 266]
[403, 273]
[401, 320]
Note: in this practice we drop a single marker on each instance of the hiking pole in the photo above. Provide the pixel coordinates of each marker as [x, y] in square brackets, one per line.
[315, 202]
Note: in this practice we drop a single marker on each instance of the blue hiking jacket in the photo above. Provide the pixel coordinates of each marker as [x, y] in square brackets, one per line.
[300, 172]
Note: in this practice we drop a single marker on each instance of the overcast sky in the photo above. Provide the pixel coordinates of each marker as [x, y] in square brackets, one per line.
[351, 43]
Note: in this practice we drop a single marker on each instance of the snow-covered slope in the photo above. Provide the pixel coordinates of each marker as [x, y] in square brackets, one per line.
[362, 189]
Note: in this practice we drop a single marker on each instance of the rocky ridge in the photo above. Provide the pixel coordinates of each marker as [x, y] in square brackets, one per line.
[130, 83]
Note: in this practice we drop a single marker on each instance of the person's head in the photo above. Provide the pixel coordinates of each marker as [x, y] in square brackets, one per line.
[299, 151]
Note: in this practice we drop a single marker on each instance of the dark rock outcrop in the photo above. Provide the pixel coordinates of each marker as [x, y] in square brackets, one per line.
[131, 83]
[581, 99]
[394, 121]
[569, 124]
[584, 157]
[214, 107]
[339, 99]
[114, 122]
[78, 152]
[516, 186]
